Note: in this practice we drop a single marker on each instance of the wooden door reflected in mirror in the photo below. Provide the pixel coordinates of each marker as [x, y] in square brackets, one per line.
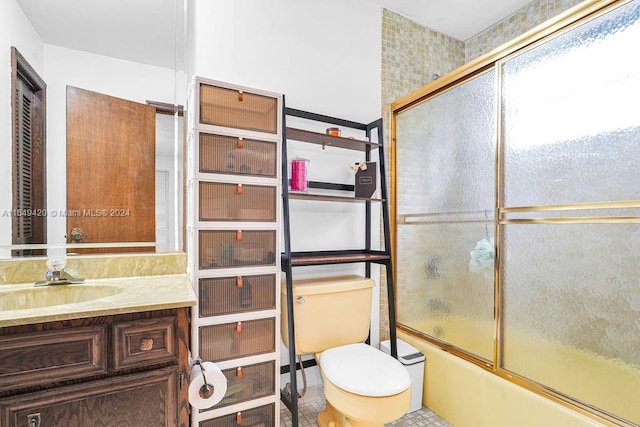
[110, 171]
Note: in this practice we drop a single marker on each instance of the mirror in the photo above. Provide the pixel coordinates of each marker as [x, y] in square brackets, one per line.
[126, 50]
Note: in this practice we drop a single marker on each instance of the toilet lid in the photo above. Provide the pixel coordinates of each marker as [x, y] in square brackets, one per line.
[364, 370]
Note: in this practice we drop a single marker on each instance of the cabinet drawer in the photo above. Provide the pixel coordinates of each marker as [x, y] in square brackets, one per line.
[246, 383]
[224, 248]
[237, 339]
[144, 342]
[234, 108]
[236, 202]
[228, 295]
[262, 416]
[134, 400]
[56, 355]
[237, 156]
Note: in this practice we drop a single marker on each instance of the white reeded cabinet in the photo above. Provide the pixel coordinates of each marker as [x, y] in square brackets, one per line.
[233, 234]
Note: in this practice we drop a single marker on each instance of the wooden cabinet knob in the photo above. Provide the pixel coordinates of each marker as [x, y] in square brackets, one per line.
[146, 344]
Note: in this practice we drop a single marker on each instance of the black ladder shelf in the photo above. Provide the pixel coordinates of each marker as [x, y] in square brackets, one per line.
[365, 255]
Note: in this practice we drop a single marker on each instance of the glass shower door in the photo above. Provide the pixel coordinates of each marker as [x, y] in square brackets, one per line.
[570, 276]
[445, 215]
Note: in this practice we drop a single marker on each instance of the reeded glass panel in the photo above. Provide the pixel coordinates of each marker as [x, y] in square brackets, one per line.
[236, 156]
[237, 109]
[228, 248]
[237, 294]
[246, 383]
[571, 310]
[445, 172]
[237, 339]
[236, 202]
[262, 416]
[570, 115]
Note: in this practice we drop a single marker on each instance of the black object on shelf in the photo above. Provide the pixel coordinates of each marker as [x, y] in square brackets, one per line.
[366, 179]
[364, 194]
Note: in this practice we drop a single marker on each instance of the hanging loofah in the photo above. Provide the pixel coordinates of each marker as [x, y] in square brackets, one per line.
[482, 256]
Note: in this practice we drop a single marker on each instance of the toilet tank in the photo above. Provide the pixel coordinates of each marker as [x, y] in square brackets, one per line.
[328, 312]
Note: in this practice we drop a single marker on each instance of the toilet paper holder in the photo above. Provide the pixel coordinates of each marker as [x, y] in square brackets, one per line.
[206, 391]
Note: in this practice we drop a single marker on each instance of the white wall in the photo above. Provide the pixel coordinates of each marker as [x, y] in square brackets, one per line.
[15, 30]
[324, 56]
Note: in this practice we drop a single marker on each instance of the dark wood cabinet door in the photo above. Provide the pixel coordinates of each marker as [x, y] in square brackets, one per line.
[141, 399]
[54, 415]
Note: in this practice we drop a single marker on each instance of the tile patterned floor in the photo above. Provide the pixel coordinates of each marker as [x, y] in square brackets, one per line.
[311, 405]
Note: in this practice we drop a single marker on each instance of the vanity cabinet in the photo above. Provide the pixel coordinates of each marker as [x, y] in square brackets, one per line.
[119, 370]
[233, 213]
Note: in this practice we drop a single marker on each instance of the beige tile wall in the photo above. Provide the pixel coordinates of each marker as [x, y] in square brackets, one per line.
[411, 55]
[535, 13]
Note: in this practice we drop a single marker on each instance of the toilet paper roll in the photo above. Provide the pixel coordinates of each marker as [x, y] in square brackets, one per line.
[215, 379]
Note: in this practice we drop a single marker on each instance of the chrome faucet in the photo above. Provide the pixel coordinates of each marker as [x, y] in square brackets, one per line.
[56, 274]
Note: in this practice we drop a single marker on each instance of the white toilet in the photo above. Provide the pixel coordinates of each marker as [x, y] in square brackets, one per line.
[363, 386]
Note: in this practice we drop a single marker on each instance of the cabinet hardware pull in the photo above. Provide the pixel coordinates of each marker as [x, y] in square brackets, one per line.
[239, 373]
[238, 235]
[239, 418]
[239, 190]
[33, 420]
[239, 327]
[146, 344]
[240, 96]
[239, 281]
[240, 143]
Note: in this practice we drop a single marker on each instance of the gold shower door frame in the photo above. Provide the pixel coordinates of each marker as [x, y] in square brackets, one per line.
[557, 26]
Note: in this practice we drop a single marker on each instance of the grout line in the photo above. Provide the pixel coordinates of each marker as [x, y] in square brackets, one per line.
[314, 402]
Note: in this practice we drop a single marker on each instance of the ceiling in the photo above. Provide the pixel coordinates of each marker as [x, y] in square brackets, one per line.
[143, 30]
[135, 30]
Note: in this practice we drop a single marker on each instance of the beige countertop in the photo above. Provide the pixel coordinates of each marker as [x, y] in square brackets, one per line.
[124, 295]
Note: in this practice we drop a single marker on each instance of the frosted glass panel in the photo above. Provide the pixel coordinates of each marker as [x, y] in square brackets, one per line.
[445, 150]
[445, 172]
[571, 129]
[571, 310]
[440, 292]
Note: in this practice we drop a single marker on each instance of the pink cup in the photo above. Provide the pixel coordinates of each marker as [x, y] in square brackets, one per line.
[299, 180]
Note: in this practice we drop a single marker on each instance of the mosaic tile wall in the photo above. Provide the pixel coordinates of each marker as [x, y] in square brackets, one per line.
[412, 54]
[523, 20]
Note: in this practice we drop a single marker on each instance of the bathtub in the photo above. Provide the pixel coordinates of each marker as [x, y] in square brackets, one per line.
[469, 396]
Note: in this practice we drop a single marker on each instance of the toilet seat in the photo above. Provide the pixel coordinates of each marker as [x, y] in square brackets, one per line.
[364, 370]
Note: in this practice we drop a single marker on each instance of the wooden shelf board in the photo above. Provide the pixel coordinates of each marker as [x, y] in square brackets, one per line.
[330, 198]
[329, 140]
[318, 259]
